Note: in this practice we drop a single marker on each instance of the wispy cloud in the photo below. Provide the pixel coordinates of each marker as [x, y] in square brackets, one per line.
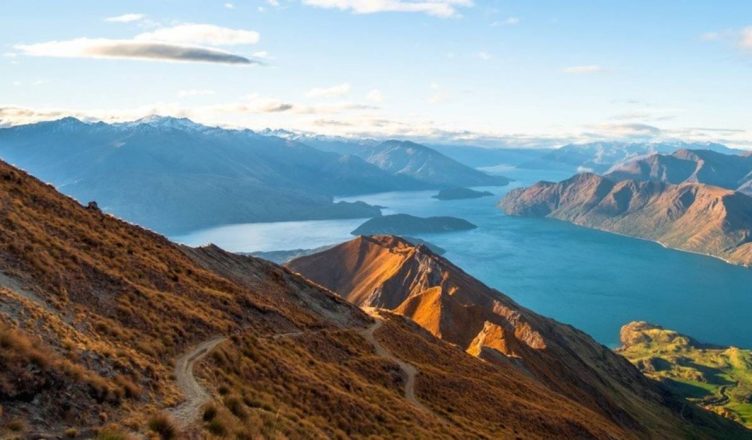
[483, 55]
[141, 50]
[746, 39]
[185, 42]
[201, 34]
[509, 21]
[583, 70]
[329, 92]
[230, 5]
[375, 95]
[126, 18]
[195, 92]
[437, 8]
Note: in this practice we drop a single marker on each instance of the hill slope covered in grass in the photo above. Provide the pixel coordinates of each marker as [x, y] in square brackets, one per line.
[95, 313]
[718, 378]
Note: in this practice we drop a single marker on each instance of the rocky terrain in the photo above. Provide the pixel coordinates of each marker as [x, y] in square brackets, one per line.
[717, 378]
[388, 272]
[109, 331]
[400, 224]
[689, 216]
[460, 193]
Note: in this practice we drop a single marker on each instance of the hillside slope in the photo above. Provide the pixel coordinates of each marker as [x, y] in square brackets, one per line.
[388, 272]
[95, 313]
[717, 378]
[419, 162]
[690, 216]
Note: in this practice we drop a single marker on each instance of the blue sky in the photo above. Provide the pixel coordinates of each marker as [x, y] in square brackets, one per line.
[506, 72]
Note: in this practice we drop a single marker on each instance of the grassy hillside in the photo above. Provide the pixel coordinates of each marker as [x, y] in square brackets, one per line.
[717, 378]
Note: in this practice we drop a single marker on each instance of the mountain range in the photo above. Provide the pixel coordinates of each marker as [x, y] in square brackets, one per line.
[424, 163]
[253, 350]
[175, 176]
[730, 171]
[599, 157]
[689, 216]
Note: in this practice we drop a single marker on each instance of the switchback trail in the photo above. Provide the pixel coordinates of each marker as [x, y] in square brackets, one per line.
[195, 395]
[409, 371]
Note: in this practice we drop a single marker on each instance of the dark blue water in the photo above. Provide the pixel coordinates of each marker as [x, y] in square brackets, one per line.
[593, 280]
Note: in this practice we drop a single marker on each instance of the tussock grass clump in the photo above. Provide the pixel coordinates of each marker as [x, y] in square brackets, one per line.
[163, 426]
[210, 412]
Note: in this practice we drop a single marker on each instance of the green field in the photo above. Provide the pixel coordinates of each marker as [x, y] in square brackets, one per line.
[716, 378]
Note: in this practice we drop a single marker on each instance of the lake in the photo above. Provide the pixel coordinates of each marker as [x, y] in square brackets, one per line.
[593, 280]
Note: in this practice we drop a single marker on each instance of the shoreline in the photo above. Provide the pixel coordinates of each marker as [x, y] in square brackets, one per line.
[660, 243]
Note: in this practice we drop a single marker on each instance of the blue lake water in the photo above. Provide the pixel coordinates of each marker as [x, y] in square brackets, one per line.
[593, 280]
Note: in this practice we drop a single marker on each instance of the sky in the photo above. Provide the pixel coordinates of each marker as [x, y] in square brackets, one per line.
[515, 73]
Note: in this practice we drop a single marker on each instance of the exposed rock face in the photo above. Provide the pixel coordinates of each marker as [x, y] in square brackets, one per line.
[388, 272]
[409, 224]
[689, 216]
[730, 171]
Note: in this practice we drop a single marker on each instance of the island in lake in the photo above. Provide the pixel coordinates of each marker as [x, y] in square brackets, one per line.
[399, 224]
[461, 193]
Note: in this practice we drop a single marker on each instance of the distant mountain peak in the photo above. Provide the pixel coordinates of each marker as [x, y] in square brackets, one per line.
[172, 122]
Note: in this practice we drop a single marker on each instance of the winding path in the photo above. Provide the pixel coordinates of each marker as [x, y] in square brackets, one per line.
[409, 370]
[195, 395]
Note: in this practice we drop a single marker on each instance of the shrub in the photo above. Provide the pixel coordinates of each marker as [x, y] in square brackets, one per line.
[216, 427]
[111, 434]
[210, 412]
[235, 406]
[16, 425]
[71, 433]
[163, 426]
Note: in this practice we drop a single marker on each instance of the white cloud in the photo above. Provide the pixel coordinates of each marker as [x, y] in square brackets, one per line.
[260, 54]
[132, 49]
[125, 18]
[195, 92]
[746, 38]
[329, 92]
[185, 42]
[583, 70]
[229, 6]
[201, 34]
[375, 95]
[437, 8]
[509, 21]
[711, 36]
[273, 3]
[485, 56]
